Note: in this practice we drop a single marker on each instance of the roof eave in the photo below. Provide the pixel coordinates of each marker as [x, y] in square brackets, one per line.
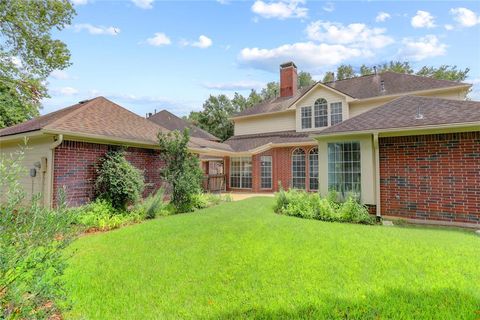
[17, 136]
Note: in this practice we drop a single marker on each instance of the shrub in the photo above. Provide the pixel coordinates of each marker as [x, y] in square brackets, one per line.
[206, 200]
[299, 203]
[117, 180]
[31, 242]
[152, 206]
[182, 169]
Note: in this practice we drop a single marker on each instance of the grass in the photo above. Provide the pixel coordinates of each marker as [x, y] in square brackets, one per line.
[240, 260]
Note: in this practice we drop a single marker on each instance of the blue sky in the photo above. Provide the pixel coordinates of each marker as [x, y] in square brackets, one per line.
[148, 55]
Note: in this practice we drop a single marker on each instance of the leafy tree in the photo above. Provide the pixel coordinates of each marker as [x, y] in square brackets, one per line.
[239, 102]
[215, 116]
[28, 53]
[396, 66]
[182, 169]
[118, 181]
[328, 77]
[254, 98]
[365, 71]
[444, 72]
[271, 91]
[345, 72]
[305, 79]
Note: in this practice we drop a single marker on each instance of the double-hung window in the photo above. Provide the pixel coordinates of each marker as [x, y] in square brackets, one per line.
[266, 172]
[298, 169]
[313, 169]
[306, 116]
[335, 113]
[321, 113]
[241, 172]
[344, 171]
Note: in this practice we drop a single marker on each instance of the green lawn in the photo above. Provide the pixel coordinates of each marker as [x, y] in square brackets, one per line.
[240, 260]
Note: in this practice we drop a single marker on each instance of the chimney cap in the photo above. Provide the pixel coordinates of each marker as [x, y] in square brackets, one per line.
[288, 64]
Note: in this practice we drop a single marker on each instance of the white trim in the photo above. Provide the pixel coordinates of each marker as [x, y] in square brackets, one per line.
[378, 211]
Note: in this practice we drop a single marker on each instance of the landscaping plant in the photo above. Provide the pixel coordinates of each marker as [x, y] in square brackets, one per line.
[118, 181]
[31, 242]
[182, 169]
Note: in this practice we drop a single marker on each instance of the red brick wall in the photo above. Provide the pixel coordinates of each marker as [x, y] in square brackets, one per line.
[431, 177]
[281, 169]
[74, 169]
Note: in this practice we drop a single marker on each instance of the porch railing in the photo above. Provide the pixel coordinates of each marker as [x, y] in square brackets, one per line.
[214, 183]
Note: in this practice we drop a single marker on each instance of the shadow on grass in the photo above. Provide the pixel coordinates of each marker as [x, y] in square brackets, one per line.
[394, 304]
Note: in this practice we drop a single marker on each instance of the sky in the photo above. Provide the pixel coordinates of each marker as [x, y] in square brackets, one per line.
[147, 55]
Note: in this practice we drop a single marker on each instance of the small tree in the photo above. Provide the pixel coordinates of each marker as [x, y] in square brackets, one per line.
[182, 169]
[118, 180]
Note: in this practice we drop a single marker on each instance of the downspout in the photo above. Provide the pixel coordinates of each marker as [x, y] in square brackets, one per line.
[377, 175]
[55, 144]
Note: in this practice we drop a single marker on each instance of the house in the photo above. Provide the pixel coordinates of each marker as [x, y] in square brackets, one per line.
[409, 146]
[64, 146]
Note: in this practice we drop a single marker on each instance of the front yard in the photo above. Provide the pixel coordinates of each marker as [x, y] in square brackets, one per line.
[240, 260]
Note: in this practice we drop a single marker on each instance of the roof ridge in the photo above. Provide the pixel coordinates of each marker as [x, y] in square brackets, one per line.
[81, 105]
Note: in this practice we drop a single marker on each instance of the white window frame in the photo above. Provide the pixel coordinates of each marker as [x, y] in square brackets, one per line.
[321, 104]
[239, 171]
[304, 115]
[313, 168]
[266, 159]
[335, 114]
[345, 164]
[295, 166]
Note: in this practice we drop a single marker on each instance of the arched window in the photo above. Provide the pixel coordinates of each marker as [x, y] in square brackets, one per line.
[313, 169]
[298, 169]
[320, 113]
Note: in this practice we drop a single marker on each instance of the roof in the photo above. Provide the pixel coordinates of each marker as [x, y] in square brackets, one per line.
[252, 141]
[402, 112]
[363, 87]
[170, 121]
[102, 117]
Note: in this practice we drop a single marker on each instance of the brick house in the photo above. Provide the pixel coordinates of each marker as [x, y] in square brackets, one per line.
[408, 146]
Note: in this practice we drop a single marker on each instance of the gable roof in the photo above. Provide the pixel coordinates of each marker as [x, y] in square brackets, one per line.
[363, 87]
[171, 122]
[101, 117]
[401, 113]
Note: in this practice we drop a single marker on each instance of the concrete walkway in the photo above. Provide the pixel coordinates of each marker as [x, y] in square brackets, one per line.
[236, 196]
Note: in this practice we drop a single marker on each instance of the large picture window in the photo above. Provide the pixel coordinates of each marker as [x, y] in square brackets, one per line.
[306, 113]
[335, 113]
[344, 171]
[321, 113]
[298, 169]
[266, 172]
[241, 172]
[313, 169]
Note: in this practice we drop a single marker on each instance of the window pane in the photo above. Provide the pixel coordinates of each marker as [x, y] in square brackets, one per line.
[321, 113]
[298, 169]
[313, 167]
[336, 113]
[306, 114]
[344, 170]
[241, 172]
[266, 172]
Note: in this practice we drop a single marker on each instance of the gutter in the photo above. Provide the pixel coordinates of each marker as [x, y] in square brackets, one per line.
[50, 167]
[57, 142]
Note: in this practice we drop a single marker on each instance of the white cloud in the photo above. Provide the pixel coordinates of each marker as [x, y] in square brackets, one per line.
[79, 2]
[355, 34]
[329, 7]
[234, 86]
[382, 16]
[282, 9]
[465, 17]
[448, 27]
[422, 48]
[423, 19]
[97, 30]
[159, 39]
[60, 75]
[143, 4]
[203, 42]
[307, 54]
[65, 91]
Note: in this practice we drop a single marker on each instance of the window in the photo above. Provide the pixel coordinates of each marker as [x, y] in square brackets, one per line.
[344, 167]
[266, 172]
[335, 113]
[298, 169]
[241, 172]
[321, 113]
[306, 113]
[313, 166]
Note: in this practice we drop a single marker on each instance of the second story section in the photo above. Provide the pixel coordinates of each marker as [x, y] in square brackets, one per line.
[325, 104]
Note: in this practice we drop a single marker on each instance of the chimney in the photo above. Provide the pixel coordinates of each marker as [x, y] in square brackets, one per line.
[288, 79]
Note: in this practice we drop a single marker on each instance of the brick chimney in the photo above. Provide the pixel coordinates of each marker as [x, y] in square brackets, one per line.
[288, 79]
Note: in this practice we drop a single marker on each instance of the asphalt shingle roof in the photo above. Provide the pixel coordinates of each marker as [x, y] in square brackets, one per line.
[251, 141]
[402, 113]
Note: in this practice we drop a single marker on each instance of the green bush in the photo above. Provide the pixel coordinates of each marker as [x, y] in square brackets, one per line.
[299, 203]
[117, 180]
[206, 200]
[32, 239]
[152, 206]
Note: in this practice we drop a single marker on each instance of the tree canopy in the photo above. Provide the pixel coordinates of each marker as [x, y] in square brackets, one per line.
[28, 54]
